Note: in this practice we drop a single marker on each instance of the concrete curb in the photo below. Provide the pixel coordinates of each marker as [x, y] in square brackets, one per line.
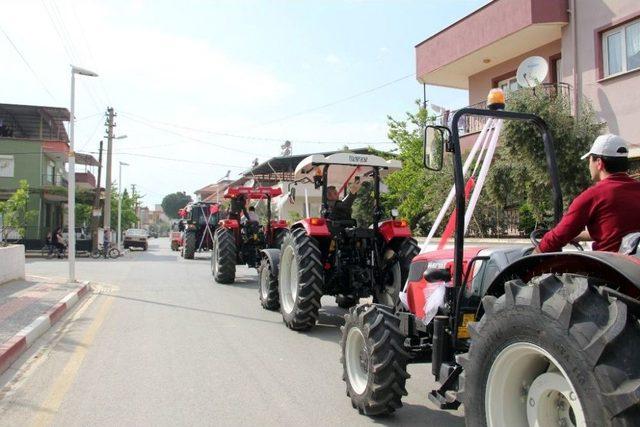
[13, 348]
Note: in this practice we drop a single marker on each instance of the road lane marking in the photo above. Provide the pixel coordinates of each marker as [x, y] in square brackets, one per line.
[66, 378]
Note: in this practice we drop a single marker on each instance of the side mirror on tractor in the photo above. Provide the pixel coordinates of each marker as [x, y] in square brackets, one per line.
[435, 138]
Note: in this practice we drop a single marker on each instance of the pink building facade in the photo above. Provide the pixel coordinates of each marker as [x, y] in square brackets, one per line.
[592, 48]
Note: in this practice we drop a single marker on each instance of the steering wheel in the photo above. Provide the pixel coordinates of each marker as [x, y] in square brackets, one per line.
[536, 235]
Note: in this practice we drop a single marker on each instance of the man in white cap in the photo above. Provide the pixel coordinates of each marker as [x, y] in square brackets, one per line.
[609, 210]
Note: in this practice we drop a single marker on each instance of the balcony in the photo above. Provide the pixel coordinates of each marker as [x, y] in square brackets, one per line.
[497, 32]
[57, 179]
[473, 124]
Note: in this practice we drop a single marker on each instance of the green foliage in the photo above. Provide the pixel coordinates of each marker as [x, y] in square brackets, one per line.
[83, 214]
[522, 146]
[174, 201]
[294, 216]
[130, 202]
[15, 214]
[362, 210]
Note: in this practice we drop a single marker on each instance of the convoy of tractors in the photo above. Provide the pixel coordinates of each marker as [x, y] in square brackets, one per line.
[518, 338]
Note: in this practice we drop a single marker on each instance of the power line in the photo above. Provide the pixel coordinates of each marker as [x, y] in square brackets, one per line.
[338, 101]
[138, 118]
[148, 156]
[36, 75]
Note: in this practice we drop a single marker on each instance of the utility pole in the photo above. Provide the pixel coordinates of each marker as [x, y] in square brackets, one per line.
[95, 215]
[107, 194]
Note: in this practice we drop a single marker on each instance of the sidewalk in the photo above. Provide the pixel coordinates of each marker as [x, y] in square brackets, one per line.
[28, 308]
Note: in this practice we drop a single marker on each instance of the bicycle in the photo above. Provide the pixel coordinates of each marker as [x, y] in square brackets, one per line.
[113, 252]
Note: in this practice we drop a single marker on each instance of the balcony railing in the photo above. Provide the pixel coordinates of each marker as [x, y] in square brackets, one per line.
[473, 124]
[55, 180]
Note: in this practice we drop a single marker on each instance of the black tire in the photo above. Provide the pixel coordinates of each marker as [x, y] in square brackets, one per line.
[278, 237]
[346, 301]
[383, 356]
[405, 251]
[301, 313]
[114, 253]
[189, 250]
[223, 258]
[593, 339]
[96, 254]
[268, 289]
[145, 247]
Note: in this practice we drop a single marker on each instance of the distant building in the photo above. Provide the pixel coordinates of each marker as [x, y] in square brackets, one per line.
[34, 146]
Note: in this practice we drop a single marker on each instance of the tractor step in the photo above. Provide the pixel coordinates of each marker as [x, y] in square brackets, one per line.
[446, 401]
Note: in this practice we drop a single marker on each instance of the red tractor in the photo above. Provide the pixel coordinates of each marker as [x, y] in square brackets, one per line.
[240, 237]
[198, 224]
[520, 339]
[328, 255]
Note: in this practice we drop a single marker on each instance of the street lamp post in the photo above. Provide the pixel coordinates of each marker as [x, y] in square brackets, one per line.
[119, 237]
[71, 201]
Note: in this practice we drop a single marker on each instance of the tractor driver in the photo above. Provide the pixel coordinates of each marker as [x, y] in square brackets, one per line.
[609, 209]
[341, 209]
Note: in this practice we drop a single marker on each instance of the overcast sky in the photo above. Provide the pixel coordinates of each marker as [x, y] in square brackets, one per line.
[215, 84]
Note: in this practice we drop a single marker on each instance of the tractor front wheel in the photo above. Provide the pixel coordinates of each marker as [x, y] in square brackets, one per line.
[189, 249]
[301, 280]
[223, 256]
[373, 359]
[553, 352]
[268, 285]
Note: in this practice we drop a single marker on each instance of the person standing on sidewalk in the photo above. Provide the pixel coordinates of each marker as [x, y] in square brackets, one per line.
[608, 210]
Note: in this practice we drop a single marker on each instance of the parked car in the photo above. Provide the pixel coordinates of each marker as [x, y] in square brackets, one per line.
[136, 238]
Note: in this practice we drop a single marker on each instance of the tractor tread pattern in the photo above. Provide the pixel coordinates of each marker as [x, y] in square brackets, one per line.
[387, 359]
[600, 333]
[310, 280]
[189, 250]
[272, 299]
[225, 247]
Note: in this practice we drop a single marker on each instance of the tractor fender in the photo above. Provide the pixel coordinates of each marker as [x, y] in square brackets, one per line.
[615, 268]
[279, 224]
[392, 229]
[273, 255]
[315, 227]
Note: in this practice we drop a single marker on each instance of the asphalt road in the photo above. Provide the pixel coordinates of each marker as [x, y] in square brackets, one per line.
[158, 342]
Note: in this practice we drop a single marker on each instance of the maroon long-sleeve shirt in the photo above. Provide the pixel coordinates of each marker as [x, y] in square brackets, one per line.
[610, 210]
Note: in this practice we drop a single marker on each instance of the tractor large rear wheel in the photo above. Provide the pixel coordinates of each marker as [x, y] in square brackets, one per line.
[301, 280]
[373, 359]
[396, 272]
[268, 285]
[553, 352]
[189, 250]
[223, 256]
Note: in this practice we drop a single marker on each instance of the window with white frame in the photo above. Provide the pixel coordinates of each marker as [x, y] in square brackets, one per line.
[6, 166]
[621, 49]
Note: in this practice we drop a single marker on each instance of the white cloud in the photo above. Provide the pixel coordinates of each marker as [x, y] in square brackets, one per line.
[332, 59]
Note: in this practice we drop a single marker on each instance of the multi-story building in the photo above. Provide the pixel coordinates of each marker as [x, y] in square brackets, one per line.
[34, 147]
[592, 48]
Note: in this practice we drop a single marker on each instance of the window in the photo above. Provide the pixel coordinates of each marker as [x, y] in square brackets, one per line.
[509, 85]
[6, 166]
[621, 49]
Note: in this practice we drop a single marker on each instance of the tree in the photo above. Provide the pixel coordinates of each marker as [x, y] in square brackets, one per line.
[522, 146]
[174, 201]
[15, 214]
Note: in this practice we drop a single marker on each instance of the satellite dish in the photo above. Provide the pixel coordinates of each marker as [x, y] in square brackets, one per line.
[532, 71]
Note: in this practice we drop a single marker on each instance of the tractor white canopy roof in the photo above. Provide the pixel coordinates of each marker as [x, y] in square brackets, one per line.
[345, 166]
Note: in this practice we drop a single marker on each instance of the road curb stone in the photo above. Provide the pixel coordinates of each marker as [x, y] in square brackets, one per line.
[14, 347]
